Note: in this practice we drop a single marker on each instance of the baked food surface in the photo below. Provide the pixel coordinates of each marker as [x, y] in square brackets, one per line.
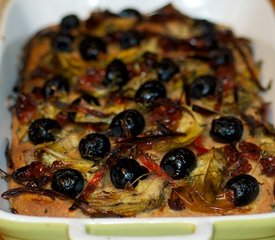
[140, 115]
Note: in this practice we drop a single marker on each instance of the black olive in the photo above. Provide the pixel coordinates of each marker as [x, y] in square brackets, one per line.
[226, 129]
[94, 146]
[68, 182]
[220, 56]
[130, 13]
[62, 42]
[166, 69]
[125, 172]
[204, 26]
[128, 123]
[69, 22]
[203, 86]
[56, 84]
[116, 73]
[130, 39]
[42, 130]
[245, 188]
[90, 47]
[150, 91]
[178, 163]
[87, 98]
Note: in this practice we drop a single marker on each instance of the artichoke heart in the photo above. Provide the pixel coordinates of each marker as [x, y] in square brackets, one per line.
[49, 156]
[208, 176]
[146, 196]
[192, 125]
[63, 151]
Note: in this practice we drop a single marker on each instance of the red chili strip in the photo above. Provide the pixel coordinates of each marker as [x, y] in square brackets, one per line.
[90, 188]
[155, 168]
[199, 146]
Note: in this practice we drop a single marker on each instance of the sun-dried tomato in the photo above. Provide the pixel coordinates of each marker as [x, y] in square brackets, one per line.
[250, 151]
[56, 165]
[204, 42]
[228, 84]
[32, 173]
[241, 166]
[89, 81]
[231, 153]
[133, 70]
[268, 166]
[168, 44]
[175, 202]
[25, 108]
[226, 73]
[62, 118]
[37, 93]
[264, 112]
[168, 115]
[149, 61]
[41, 72]
[237, 163]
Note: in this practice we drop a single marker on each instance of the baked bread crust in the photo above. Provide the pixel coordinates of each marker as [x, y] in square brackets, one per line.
[184, 41]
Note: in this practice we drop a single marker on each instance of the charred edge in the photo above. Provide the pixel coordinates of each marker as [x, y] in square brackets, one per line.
[269, 129]
[163, 129]
[8, 155]
[251, 122]
[236, 95]
[24, 190]
[219, 95]
[115, 154]
[13, 211]
[93, 112]
[4, 175]
[253, 125]
[86, 209]
[167, 102]
[152, 138]
[187, 94]
[249, 67]
[264, 111]
[203, 110]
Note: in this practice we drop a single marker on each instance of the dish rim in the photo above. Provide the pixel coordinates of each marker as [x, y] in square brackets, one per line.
[7, 216]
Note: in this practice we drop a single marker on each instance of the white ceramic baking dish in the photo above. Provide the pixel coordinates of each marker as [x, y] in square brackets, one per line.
[22, 18]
